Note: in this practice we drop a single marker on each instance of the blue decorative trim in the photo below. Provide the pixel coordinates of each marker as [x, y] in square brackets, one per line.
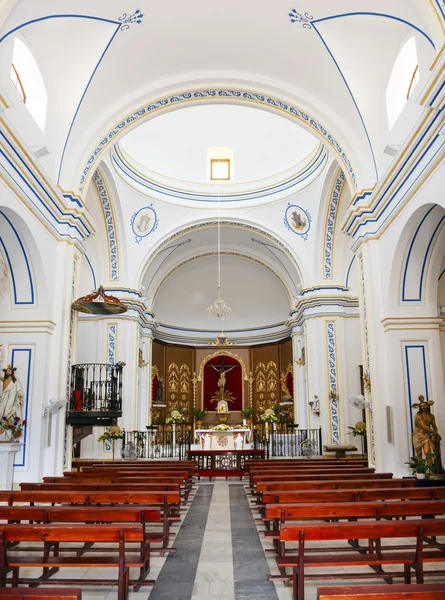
[330, 226]
[20, 181]
[147, 224]
[68, 367]
[216, 94]
[441, 7]
[332, 361]
[303, 20]
[408, 380]
[362, 196]
[375, 14]
[112, 343]
[329, 288]
[110, 226]
[441, 275]
[92, 271]
[422, 271]
[25, 400]
[300, 224]
[18, 302]
[349, 271]
[125, 167]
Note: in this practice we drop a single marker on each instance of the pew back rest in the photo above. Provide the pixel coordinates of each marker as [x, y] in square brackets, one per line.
[71, 533]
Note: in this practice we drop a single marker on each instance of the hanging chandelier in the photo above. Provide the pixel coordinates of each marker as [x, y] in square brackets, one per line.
[219, 308]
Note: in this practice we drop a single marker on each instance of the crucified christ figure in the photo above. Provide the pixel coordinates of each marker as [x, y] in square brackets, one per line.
[222, 370]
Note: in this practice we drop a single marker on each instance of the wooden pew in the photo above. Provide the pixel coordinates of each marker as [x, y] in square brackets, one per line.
[340, 484]
[57, 533]
[426, 591]
[325, 476]
[354, 495]
[9, 593]
[376, 558]
[90, 514]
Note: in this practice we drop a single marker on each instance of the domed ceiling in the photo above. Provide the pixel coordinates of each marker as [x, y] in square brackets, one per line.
[175, 144]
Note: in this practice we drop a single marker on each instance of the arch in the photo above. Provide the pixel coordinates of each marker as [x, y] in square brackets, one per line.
[418, 258]
[205, 96]
[18, 261]
[188, 228]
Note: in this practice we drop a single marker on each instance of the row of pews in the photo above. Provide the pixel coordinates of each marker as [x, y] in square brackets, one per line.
[102, 516]
[340, 514]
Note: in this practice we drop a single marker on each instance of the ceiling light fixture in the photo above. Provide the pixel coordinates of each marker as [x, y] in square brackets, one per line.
[219, 308]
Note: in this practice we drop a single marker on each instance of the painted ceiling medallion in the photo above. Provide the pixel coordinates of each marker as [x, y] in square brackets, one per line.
[143, 222]
[297, 220]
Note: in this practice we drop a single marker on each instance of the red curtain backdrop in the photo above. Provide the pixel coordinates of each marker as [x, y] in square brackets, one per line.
[290, 384]
[234, 382]
[154, 387]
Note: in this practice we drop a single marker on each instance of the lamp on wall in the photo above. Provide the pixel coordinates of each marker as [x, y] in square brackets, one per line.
[219, 308]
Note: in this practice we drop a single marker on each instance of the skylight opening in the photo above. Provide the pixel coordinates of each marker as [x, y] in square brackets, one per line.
[220, 169]
[403, 80]
[28, 80]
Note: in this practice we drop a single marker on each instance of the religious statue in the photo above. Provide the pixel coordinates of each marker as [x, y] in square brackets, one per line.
[11, 395]
[207, 441]
[158, 392]
[239, 440]
[142, 363]
[222, 375]
[426, 437]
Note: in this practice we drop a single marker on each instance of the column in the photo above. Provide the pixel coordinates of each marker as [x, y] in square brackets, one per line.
[143, 416]
[299, 362]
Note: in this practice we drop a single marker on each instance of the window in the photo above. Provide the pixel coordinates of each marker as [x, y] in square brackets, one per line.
[403, 79]
[15, 78]
[28, 81]
[220, 169]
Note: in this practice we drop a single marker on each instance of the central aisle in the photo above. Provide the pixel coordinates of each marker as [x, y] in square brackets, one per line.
[219, 553]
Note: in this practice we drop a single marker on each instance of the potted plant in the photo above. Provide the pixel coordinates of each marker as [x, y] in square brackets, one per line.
[418, 466]
[247, 414]
[199, 414]
[360, 430]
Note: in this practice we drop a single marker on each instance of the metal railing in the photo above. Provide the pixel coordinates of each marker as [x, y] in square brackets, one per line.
[96, 387]
[161, 441]
[286, 439]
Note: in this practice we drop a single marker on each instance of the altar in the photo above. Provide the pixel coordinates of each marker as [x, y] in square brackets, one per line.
[214, 439]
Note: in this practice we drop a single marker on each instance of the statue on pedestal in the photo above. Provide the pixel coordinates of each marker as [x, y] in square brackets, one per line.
[426, 437]
[11, 396]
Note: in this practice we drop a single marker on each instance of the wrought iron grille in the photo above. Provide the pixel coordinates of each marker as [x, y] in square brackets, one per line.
[286, 439]
[96, 387]
[162, 441]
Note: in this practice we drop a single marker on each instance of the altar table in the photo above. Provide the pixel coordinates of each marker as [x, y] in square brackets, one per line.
[213, 439]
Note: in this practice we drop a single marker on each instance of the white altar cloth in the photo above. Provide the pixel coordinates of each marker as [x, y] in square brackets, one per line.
[212, 439]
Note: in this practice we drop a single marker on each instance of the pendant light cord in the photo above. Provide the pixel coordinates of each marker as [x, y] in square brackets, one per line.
[219, 251]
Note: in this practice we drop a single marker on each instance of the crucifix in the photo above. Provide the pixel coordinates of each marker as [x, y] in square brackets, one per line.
[222, 369]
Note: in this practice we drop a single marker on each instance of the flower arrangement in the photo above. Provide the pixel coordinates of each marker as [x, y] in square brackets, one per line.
[222, 427]
[112, 434]
[12, 427]
[176, 416]
[358, 429]
[270, 415]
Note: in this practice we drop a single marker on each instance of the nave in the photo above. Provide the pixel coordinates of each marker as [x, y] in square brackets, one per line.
[233, 538]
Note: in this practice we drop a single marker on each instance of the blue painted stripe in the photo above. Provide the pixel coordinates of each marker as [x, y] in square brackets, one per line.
[369, 212]
[28, 380]
[436, 94]
[153, 186]
[16, 301]
[60, 16]
[375, 14]
[427, 253]
[352, 97]
[408, 377]
[349, 271]
[440, 276]
[81, 100]
[440, 7]
[324, 287]
[92, 271]
[411, 246]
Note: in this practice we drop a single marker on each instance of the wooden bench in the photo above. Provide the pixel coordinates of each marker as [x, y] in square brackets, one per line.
[9, 593]
[326, 476]
[426, 591]
[340, 450]
[378, 556]
[62, 532]
[276, 486]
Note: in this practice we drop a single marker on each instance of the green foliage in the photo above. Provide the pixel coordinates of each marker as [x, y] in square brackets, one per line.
[417, 464]
[247, 412]
[199, 414]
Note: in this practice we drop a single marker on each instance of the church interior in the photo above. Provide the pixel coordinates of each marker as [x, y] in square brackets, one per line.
[222, 299]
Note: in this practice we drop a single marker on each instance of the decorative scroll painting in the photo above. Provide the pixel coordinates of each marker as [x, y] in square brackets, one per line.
[333, 395]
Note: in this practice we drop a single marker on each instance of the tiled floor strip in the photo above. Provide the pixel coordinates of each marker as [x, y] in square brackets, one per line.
[177, 577]
[250, 566]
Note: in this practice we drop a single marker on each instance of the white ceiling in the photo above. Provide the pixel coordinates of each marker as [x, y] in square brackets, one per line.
[175, 144]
